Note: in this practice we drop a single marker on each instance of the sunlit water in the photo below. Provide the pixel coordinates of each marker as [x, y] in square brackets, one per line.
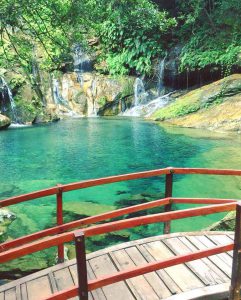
[43, 156]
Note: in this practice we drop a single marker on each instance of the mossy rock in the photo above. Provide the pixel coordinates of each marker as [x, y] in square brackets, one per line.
[212, 94]
[28, 264]
[226, 224]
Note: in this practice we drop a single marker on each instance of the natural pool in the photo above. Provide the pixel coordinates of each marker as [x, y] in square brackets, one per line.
[73, 150]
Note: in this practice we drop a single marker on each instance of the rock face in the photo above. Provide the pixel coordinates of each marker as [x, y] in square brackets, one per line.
[62, 95]
[216, 106]
[93, 93]
[4, 122]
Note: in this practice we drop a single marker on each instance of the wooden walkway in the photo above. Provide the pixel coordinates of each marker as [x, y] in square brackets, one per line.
[207, 278]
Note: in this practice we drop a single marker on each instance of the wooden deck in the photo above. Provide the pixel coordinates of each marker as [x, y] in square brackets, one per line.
[207, 278]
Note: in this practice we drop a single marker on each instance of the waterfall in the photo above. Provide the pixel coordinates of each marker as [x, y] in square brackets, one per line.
[139, 92]
[7, 97]
[92, 110]
[160, 76]
[82, 62]
[146, 110]
[94, 93]
[58, 98]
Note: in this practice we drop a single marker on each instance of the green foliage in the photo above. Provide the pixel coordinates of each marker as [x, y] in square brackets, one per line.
[132, 35]
[210, 33]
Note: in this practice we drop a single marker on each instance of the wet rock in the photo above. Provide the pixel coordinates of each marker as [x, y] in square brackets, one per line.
[4, 122]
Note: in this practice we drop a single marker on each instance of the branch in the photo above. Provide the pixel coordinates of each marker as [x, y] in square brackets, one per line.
[39, 38]
[210, 19]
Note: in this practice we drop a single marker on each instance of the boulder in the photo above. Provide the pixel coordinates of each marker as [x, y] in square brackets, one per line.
[216, 106]
[4, 122]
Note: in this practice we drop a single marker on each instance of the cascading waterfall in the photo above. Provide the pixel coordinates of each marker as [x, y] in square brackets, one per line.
[94, 93]
[143, 108]
[146, 110]
[92, 109]
[58, 98]
[82, 63]
[160, 76]
[139, 92]
[7, 97]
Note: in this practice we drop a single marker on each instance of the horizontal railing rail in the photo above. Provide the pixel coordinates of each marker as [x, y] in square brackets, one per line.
[113, 179]
[106, 216]
[60, 234]
[113, 226]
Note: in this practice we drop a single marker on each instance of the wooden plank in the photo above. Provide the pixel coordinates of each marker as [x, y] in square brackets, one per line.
[39, 288]
[1, 296]
[152, 278]
[216, 259]
[18, 292]
[183, 277]
[230, 235]
[221, 240]
[207, 240]
[198, 267]
[10, 294]
[63, 279]
[164, 276]
[52, 282]
[103, 265]
[73, 272]
[139, 286]
[214, 292]
[215, 270]
[24, 292]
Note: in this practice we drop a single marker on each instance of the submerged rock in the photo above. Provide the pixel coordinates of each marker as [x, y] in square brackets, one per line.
[226, 224]
[4, 122]
[6, 218]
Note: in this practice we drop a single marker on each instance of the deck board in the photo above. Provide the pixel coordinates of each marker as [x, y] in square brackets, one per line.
[152, 278]
[206, 276]
[163, 275]
[159, 251]
[139, 285]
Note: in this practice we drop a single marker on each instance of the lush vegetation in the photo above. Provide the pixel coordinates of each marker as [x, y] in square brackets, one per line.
[125, 36]
[213, 28]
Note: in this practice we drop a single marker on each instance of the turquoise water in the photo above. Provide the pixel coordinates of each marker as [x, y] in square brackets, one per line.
[73, 150]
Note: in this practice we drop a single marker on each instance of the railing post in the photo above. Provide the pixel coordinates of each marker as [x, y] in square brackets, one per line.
[81, 265]
[168, 193]
[60, 221]
[236, 267]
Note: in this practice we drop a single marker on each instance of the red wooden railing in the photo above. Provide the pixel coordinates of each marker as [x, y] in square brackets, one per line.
[57, 236]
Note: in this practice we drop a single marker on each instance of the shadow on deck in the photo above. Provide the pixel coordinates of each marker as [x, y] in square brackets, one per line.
[206, 278]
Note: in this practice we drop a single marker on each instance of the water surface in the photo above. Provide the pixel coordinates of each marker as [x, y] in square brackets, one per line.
[73, 150]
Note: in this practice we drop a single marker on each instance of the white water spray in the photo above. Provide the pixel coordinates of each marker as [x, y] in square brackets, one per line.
[7, 91]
